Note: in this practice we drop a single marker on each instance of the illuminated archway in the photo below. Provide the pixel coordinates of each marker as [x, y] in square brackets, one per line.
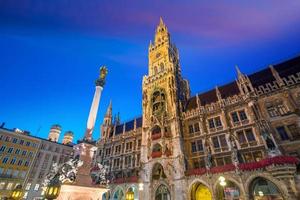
[261, 189]
[229, 191]
[200, 192]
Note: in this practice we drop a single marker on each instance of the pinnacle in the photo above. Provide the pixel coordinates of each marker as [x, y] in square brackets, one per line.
[238, 70]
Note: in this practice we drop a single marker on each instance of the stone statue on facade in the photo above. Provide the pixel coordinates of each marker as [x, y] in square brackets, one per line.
[272, 149]
[208, 157]
[99, 174]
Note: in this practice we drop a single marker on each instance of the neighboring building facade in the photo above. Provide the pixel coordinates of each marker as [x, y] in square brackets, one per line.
[26, 159]
[243, 134]
[49, 152]
[17, 152]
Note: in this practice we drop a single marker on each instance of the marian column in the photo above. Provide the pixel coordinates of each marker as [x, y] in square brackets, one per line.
[95, 104]
[88, 183]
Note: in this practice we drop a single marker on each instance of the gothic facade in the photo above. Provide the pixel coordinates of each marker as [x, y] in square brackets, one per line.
[236, 141]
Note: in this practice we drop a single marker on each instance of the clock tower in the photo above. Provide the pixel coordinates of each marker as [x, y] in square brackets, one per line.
[164, 93]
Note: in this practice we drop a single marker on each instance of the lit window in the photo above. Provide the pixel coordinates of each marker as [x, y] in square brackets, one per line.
[28, 186]
[2, 185]
[36, 187]
[9, 186]
[25, 195]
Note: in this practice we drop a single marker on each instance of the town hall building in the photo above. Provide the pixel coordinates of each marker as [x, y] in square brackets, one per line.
[240, 140]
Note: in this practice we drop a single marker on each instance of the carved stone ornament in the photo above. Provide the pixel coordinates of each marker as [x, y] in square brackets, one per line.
[65, 172]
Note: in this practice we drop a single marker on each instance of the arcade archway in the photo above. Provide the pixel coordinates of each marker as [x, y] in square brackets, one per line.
[230, 191]
[263, 189]
[118, 195]
[162, 193]
[200, 191]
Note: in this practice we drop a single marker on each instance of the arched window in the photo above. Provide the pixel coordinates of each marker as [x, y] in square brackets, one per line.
[229, 191]
[199, 191]
[162, 193]
[261, 187]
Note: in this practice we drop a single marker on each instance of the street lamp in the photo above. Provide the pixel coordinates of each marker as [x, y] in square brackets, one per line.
[17, 193]
[52, 190]
[141, 186]
[222, 181]
[130, 195]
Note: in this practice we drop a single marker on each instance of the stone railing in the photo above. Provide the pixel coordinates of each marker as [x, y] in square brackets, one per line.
[156, 154]
[132, 179]
[279, 160]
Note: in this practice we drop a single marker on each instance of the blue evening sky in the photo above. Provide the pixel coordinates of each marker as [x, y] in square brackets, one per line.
[51, 51]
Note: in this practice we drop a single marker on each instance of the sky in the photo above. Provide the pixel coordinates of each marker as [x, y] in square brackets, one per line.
[51, 52]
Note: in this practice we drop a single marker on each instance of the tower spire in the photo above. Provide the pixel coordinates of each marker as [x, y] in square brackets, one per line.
[238, 71]
[109, 109]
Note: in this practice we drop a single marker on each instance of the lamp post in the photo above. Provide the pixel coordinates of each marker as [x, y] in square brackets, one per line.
[223, 183]
[129, 195]
[52, 189]
[17, 193]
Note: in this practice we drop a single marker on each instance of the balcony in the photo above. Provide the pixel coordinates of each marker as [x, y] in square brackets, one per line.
[132, 179]
[279, 160]
[156, 136]
[156, 154]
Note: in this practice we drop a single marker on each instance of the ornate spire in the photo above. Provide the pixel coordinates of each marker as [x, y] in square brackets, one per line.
[218, 93]
[117, 120]
[276, 76]
[162, 34]
[109, 110]
[240, 74]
